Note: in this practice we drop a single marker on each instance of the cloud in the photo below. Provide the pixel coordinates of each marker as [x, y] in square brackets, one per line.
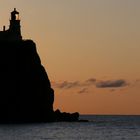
[84, 87]
[74, 84]
[111, 84]
[84, 90]
[67, 85]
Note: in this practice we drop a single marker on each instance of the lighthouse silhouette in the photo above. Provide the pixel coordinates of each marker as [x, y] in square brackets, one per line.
[14, 31]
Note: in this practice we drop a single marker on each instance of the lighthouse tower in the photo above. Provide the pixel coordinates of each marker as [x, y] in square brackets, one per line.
[14, 28]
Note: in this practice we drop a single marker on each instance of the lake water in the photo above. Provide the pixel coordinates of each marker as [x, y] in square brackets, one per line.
[98, 128]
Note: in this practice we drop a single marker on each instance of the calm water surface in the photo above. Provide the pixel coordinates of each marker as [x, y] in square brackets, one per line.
[99, 128]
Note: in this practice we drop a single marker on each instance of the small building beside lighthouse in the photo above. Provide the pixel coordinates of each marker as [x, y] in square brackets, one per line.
[14, 32]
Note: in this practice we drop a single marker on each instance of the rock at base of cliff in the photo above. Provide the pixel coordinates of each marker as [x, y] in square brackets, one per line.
[68, 117]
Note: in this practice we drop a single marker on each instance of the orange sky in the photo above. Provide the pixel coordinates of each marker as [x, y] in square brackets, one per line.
[90, 49]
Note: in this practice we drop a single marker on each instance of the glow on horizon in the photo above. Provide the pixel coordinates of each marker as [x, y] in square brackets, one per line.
[84, 39]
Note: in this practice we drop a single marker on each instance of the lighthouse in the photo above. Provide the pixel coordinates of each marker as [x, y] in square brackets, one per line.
[15, 26]
[14, 31]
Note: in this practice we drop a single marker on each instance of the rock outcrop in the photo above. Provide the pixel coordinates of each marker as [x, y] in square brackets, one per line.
[25, 90]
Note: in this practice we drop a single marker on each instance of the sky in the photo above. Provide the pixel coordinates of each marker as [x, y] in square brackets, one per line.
[89, 48]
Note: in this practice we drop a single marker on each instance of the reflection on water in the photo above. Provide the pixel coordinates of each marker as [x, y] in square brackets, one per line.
[99, 128]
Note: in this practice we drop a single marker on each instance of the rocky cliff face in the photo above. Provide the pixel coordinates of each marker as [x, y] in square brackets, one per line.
[25, 90]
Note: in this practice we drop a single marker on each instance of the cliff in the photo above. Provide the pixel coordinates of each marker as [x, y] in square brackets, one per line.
[25, 90]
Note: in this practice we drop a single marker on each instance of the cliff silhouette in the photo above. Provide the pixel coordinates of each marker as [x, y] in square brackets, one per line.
[25, 90]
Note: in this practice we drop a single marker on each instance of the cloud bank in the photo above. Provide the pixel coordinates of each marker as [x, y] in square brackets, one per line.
[83, 87]
[111, 84]
[66, 84]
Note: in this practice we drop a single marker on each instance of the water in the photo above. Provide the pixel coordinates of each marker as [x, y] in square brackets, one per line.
[99, 128]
